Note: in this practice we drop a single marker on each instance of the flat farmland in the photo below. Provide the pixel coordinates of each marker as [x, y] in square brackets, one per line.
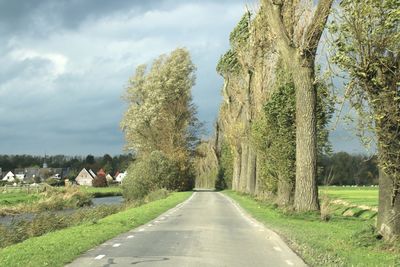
[354, 195]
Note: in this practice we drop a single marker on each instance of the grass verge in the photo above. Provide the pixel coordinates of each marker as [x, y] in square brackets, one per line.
[103, 191]
[343, 241]
[60, 247]
[13, 198]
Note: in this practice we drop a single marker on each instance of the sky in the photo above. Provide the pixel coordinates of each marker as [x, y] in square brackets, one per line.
[65, 64]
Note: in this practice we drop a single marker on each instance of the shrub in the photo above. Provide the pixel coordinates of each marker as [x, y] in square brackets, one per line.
[53, 182]
[156, 195]
[47, 222]
[149, 174]
[100, 181]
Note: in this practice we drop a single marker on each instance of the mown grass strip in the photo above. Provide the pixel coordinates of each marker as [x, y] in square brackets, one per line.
[60, 247]
[343, 241]
[103, 191]
[17, 197]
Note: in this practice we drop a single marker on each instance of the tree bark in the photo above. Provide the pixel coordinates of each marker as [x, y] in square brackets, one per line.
[300, 60]
[251, 171]
[285, 192]
[388, 223]
[306, 193]
[243, 169]
[257, 190]
[236, 170]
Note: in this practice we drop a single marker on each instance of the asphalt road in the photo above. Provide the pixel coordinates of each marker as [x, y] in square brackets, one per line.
[208, 229]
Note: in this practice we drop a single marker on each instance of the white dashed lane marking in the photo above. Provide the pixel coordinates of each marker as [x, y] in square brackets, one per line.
[116, 245]
[277, 248]
[99, 257]
[289, 262]
[130, 236]
[141, 230]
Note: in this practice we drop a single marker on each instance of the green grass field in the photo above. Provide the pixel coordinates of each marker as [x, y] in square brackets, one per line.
[103, 191]
[353, 195]
[13, 198]
[60, 247]
[342, 241]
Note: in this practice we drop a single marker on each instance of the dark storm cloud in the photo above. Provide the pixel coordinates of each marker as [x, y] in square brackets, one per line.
[64, 65]
[43, 16]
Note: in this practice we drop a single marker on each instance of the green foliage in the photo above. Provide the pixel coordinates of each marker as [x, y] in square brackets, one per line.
[225, 173]
[161, 124]
[153, 172]
[275, 137]
[241, 33]
[367, 47]
[206, 165]
[274, 134]
[228, 63]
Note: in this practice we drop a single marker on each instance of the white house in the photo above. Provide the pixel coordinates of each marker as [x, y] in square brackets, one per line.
[109, 178]
[85, 177]
[120, 177]
[20, 176]
[9, 177]
[92, 173]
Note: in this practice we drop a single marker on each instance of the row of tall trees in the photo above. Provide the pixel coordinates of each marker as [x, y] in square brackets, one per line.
[345, 169]
[275, 106]
[160, 125]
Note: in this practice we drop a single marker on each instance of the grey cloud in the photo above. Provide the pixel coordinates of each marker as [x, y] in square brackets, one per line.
[77, 111]
[44, 16]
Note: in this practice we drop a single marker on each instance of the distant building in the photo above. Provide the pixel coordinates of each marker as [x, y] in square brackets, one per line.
[120, 177]
[32, 174]
[92, 173]
[20, 176]
[9, 177]
[85, 177]
[101, 173]
[109, 178]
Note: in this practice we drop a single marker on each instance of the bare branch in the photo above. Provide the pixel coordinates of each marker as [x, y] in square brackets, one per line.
[273, 11]
[317, 26]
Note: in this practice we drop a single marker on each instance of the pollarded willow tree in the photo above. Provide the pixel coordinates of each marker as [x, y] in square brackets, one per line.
[367, 48]
[275, 135]
[297, 27]
[248, 70]
[161, 115]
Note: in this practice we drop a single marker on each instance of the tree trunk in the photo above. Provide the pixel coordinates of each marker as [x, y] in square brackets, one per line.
[257, 190]
[388, 223]
[243, 169]
[251, 171]
[236, 170]
[285, 192]
[306, 193]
